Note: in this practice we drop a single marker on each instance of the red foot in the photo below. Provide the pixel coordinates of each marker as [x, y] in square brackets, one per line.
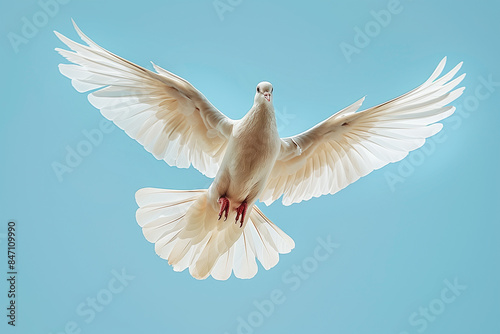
[241, 210]
[224, 207]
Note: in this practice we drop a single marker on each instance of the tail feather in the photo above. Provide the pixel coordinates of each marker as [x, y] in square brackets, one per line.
[187, 233]
[224, 266]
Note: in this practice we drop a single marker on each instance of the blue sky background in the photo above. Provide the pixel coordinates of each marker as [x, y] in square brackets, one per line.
[400, 243]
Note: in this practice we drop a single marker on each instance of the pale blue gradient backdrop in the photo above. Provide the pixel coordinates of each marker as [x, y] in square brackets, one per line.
[397, 245]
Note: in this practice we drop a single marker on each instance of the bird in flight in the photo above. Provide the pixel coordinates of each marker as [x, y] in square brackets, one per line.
[220, 230]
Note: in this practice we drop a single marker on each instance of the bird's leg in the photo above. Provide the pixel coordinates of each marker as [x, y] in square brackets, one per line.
[241, 211]
[224, 207]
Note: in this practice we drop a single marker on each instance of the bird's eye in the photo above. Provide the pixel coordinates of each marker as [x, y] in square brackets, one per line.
[258, 90]
[272, 90]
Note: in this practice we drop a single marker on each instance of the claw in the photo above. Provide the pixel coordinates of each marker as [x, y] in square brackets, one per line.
[224, 207]
[241, 211]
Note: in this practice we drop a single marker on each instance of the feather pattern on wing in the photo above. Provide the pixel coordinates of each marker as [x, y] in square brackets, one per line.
[351, 144]
[162, 111]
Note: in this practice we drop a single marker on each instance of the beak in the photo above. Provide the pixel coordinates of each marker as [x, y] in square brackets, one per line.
[267, 96]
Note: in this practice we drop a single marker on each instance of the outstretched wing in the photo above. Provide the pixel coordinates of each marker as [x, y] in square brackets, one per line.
[350, 144]
[162, 111]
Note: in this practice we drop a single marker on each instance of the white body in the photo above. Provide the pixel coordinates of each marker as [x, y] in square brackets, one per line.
[252, 150]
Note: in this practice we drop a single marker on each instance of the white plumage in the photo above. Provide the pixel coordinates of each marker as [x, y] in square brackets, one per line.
[249, 161]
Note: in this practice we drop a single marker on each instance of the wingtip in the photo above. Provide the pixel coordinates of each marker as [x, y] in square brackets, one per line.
[75, 26]
[442, 63]
[80, 32]
[360, 101]
[59, 50]
[58, 34]
[458, 66]
[437, 72]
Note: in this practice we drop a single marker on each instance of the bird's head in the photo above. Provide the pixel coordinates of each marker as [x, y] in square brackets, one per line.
[264, 93]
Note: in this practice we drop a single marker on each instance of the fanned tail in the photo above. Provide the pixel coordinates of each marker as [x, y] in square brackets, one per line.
[186, 231]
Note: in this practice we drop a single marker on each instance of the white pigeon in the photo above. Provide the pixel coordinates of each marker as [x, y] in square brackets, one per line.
[221, 230]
